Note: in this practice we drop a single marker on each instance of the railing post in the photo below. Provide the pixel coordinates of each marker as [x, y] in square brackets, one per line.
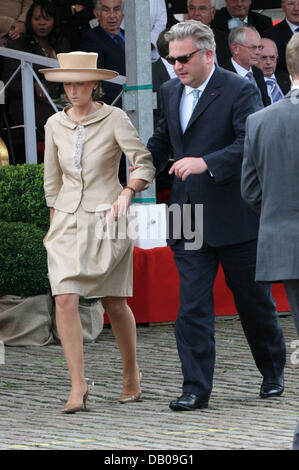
[138, 100]
[29, 113]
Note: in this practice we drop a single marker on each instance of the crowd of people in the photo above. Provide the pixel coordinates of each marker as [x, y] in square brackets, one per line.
[48, 27]
[232, 66]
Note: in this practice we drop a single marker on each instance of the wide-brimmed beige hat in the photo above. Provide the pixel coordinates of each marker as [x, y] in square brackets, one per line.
[77, 67]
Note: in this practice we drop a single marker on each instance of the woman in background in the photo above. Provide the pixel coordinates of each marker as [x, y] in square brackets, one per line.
[43, 37]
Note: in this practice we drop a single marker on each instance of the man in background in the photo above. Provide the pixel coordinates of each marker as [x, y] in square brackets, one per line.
[283, 31]
[246, 47]
[277, 82]
[204, 11]
[269, 184]
[107, 39]
[237, 13]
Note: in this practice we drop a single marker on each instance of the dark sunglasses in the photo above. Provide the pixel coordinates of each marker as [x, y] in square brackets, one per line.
[182, 59]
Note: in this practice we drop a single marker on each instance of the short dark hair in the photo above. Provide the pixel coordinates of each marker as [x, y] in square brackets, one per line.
[163, 44]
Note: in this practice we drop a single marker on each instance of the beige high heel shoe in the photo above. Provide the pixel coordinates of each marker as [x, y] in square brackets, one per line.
[74, 408]
[131, 398]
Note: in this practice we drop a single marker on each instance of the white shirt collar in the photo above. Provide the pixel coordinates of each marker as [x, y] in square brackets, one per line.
[292, 25]
[271, 77]
[189, 89]
[239, 69]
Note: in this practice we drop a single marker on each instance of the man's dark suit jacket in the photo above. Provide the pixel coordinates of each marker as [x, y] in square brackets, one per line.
[216, 132]
[222, 48]
[111, 56]
[259, 78]
[280, 34]
[259, 21]
[159, 76]
[283, 80]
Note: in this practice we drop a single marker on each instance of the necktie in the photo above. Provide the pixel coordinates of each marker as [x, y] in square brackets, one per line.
[275, 92]
[195, 93]
[119, 41]
[251, 78]
[296, 30]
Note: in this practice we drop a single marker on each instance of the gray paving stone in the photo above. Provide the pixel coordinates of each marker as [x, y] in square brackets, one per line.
[34, 385]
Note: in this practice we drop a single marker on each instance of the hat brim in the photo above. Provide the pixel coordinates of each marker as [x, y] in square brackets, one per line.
[77, 75]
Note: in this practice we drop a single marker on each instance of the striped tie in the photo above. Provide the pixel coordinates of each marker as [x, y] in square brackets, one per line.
[276, 94]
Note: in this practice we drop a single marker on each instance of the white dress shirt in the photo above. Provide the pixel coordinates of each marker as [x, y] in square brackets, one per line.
[158, 21]
[187, 101]
[158, 17]
[239, 69]
[292, 26]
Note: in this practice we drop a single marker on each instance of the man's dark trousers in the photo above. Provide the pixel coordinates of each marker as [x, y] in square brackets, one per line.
[195, 323]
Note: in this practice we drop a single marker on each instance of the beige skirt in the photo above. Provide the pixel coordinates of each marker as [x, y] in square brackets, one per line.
[89, 255]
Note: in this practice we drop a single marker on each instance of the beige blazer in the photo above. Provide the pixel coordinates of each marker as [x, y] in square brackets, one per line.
[82, 161]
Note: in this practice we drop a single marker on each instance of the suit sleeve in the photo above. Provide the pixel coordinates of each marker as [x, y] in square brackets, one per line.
[226, 163]
[159, 144]
[251, 189]
[52, 169]
[129, 142]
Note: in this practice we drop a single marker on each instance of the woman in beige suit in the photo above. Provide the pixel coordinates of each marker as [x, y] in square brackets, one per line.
[88, 252]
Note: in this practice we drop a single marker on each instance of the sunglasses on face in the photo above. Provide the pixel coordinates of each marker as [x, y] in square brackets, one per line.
[182, 59]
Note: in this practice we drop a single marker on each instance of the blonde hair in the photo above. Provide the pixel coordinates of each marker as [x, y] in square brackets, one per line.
[292, 56]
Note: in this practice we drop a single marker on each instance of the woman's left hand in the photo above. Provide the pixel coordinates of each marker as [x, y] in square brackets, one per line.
[16, 30]
[121, 205]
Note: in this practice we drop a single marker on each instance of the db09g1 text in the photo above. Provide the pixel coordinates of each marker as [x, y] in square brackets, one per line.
[169, 459]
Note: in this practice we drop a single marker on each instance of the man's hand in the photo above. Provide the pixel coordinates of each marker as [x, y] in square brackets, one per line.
[188, 166]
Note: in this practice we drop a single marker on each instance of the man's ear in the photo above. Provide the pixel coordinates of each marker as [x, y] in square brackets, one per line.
[234, 49]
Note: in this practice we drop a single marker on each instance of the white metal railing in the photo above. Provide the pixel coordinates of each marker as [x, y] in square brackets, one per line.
[28, 75]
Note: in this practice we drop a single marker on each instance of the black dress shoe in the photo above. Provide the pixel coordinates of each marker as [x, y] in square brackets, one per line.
[188, 402]
[272, 387]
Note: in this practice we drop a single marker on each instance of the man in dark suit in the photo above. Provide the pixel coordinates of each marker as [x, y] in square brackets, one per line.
[246, 47]
[271, 161]
[278, 83]
[236, 13]
[203, 124]
[108, 41]
[282, 32]
[204, 11]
